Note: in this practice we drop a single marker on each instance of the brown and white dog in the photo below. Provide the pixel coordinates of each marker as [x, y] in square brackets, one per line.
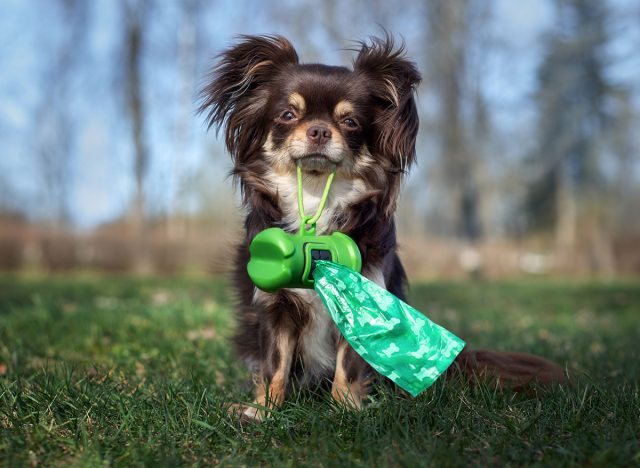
[362, 123]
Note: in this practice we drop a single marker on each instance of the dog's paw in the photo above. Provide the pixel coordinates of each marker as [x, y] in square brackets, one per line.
[344, 397]
[246, 413]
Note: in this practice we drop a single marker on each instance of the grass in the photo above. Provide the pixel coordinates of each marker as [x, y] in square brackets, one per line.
[104, 370]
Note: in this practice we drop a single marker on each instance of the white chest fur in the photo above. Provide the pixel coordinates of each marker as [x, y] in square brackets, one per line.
[317, 340]
[316, 343]
[343, 192]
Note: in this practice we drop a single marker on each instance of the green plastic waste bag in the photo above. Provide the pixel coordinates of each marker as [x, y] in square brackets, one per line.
[393, 337]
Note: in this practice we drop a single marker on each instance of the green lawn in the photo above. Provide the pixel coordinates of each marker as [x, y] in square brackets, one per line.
[97, 370]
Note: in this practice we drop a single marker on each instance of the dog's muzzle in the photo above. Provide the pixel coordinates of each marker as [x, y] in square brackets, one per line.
[317, 162]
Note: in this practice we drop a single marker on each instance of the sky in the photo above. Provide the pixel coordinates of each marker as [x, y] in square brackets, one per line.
[101, 176]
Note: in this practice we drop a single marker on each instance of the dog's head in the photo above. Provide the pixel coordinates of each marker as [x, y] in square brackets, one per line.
[361, 122]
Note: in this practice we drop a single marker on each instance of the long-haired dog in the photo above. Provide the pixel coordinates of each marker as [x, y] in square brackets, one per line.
[361, 122]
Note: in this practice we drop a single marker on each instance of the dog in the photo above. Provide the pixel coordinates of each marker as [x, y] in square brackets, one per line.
[360, 122]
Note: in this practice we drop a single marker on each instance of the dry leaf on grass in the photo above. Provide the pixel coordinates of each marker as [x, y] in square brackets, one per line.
[141, 372]
[202, 334]
[160, 297]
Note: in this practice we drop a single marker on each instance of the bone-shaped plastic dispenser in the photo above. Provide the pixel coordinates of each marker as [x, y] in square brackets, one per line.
[283, 260]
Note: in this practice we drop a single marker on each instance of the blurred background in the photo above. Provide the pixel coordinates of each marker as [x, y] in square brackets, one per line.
[529, 154]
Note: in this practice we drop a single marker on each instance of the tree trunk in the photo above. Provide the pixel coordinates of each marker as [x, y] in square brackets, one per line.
[187, 37]
[449, 67]
[134, 46]
[566, 212]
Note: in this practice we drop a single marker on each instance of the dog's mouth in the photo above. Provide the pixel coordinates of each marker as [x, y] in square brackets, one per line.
[316, 163]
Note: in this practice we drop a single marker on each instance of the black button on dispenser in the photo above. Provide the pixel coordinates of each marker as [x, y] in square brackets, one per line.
[317, 254]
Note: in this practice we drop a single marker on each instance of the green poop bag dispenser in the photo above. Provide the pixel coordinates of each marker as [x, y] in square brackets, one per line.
[283, 260]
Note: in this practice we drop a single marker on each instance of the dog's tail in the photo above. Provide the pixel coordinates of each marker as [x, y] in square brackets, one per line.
[506, 369]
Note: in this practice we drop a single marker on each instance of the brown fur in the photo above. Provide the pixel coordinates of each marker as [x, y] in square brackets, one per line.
[509, 370]
[266, 101]
[348, 387]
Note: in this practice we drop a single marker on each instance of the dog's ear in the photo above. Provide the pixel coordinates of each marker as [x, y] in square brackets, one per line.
[236, 93]
[392, 79]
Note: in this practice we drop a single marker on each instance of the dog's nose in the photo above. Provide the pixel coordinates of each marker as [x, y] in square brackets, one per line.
[318, 134]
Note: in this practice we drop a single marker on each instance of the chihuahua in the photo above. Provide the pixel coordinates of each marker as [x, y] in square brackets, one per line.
[359, 122]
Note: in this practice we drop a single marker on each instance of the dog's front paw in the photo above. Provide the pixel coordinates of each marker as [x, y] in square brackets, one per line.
[247, 413]
[347, 396]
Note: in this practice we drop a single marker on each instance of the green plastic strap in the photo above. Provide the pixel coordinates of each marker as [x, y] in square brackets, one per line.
[306, 220]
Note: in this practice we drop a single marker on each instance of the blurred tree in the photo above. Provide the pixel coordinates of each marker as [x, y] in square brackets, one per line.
[135, 17]
[187, 41]
[625, 147]
[573, 123]
[462, 122]
[55, 124]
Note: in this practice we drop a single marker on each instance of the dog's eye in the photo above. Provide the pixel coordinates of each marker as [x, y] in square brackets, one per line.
[287, 116]
[350, 123]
